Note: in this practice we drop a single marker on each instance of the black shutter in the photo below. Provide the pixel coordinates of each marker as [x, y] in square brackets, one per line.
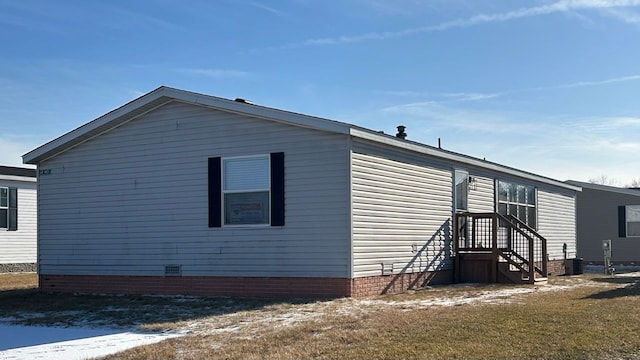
[215, 192]
[622, 221]
[13, 209]
[277, 189]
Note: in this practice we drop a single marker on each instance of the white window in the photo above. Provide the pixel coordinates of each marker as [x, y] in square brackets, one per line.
[633, 220]
[519, 201]
[245, 188]
[4, 207]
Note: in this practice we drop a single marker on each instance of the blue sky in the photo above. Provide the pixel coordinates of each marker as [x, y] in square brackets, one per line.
[546, 86]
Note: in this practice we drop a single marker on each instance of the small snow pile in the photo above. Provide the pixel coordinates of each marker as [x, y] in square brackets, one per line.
[486, 297]
[79, 343]
[627, 270]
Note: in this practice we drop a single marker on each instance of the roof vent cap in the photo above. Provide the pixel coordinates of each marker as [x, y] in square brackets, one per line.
[401, 134]
[244, 101]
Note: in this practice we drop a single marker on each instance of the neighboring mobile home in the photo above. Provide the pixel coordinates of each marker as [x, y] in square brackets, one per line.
[18, 219]
[180, 192]
[608, 213]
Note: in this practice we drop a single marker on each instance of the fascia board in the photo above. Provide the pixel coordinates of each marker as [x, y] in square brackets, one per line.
[262, 112]
[18, 178]
[60, 142]
[66, 141]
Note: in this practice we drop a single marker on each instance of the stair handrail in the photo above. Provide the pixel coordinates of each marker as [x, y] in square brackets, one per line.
[531, 236]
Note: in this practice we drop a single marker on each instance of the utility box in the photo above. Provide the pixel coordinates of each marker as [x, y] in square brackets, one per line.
[574, 266]
[608, 266]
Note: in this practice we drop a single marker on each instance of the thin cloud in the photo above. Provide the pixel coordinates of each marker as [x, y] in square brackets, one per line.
[266, 8]
[628, 17]
[470, 96]
[601, 82]
[444, 97]
[475, 96]
[627, 121]
[564, 6]
[216, 73]
[127, 19]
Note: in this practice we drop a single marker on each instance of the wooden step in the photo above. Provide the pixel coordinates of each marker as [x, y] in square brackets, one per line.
[540, 281]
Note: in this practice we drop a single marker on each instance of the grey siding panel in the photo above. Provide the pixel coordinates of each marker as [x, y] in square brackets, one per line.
[135, 199]
[557, 222]
[598, 220]
[18, 247]
[481, 195]
[401, 215]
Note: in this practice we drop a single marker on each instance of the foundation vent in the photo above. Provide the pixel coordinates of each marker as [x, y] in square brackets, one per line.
[387, 269]
[173, 270]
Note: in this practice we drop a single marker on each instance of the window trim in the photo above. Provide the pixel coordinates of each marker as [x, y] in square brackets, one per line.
[6, 188]
[625, 219]
[278, 190]
[223, 192]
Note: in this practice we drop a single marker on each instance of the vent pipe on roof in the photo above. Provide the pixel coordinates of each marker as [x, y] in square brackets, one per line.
[401, 134]
[244, 101]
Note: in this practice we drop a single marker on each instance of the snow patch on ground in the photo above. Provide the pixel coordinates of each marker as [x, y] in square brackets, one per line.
[237, 322]
[621, 270]
[80, 344]
[253, 323]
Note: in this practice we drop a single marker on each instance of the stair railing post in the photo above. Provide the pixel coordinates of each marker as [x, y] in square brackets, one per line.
[544, 257]
[494, 248]
[456, 256]
[472, 231]
[532, 261]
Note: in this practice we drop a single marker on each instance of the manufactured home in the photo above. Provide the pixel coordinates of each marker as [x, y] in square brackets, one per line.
[178, 192]
[608, 213]
[18, 219]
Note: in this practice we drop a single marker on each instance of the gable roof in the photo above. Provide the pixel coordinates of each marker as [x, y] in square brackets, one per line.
[632, 191]
[164, 95]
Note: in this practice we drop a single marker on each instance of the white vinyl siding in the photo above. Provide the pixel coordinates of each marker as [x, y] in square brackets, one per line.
[401, 216]
[481, 195]
[134, 199]
[557, 222]
[19, 247]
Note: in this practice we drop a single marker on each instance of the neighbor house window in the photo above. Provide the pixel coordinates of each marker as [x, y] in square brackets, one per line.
[9, 208]
[519, 201]
[4, 207]
[629, 221]
[246, 190]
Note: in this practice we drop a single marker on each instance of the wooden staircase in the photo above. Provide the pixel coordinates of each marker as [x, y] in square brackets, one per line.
[492, 248]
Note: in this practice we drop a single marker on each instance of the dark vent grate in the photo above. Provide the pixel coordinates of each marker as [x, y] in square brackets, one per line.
[172, 270]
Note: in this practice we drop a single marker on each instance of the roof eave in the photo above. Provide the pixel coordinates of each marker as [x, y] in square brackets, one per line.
[159, 97]
[607, 188]
[446, 155]
[18, 178]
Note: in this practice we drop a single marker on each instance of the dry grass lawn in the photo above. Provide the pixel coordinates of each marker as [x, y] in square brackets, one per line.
[580, 317]
[16, 281]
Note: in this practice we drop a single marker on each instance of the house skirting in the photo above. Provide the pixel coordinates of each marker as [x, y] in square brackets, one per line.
[398, 283]
[556, 267]
[17, 268]
[267, 287]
